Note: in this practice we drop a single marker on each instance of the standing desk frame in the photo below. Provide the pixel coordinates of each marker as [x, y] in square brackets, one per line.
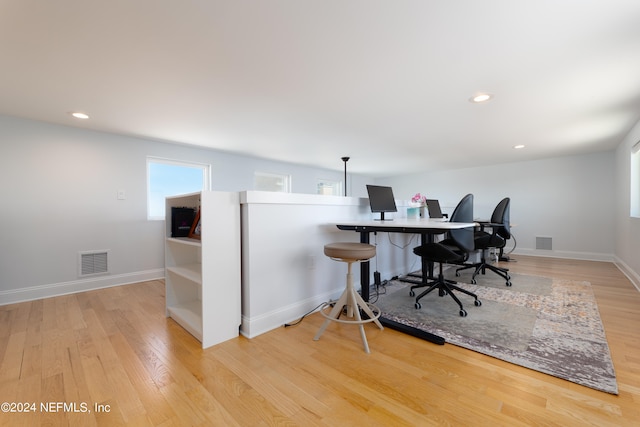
[427, 228]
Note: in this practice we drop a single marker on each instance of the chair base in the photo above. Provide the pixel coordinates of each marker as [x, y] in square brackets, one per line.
[444, 287]
[482, 267]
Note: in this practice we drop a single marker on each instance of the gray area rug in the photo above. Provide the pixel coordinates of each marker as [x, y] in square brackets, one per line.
[552, 326]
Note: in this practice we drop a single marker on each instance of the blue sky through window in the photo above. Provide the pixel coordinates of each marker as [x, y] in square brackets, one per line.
[169, 179]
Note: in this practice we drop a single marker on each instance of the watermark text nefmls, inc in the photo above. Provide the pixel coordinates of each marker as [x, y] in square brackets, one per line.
[76, 407]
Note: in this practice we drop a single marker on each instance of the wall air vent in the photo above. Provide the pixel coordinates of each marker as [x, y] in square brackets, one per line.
[544, 243]
[93, 262]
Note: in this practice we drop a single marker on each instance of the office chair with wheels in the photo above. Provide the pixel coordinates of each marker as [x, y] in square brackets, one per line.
[483, 241]
[454, 249]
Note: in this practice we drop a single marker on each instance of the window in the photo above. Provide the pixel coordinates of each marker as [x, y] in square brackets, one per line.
[634, 196]
[272, 182]
[171, 177]
[329, 187]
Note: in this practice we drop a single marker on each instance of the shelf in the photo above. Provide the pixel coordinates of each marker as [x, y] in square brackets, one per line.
[192, 272]
[189, 316]
[202, 276]
[185, 241]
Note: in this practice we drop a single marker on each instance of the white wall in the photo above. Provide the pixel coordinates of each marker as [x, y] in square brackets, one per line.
[58, 197]
[570, 199]
[627, 242]
[59, 189]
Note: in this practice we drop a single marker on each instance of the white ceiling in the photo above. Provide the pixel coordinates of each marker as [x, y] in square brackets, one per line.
[385, 82]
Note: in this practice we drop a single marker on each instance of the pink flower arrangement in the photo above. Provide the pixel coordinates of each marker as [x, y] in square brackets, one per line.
[419, 198]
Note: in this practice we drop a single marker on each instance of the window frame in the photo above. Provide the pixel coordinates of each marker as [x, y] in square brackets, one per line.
[634, 181]
[337, 185]
[286, 179]
[205, 168]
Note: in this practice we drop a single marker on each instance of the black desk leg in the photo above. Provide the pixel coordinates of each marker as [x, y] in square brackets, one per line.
[364, 270]
[427, 238]
[391, 324]
[425, 266]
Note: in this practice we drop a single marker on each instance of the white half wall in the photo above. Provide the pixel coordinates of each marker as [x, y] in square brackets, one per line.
[285, 273]
[284, 270]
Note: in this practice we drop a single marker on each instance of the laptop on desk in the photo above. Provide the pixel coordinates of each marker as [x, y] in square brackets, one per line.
[433, 206]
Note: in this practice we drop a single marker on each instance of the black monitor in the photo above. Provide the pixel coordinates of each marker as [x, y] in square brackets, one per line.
[433, 206]
[381, 200]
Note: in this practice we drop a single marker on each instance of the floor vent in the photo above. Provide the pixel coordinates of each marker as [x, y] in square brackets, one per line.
[544, 243]
[93, 262]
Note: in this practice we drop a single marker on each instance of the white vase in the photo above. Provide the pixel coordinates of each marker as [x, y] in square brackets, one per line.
[416, 210]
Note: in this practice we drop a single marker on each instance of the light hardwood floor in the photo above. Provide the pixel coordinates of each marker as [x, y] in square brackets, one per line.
[114, 347]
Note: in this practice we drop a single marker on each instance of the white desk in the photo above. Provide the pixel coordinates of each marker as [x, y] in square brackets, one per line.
[427, 228]
[405, 225]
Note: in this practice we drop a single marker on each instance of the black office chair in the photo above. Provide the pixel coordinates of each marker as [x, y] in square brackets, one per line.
[483, 241]
[454, 249]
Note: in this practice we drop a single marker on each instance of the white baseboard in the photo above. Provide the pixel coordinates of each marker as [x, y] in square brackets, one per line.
[57, 289]
[253, 326]
[584, 256]
[633, 276]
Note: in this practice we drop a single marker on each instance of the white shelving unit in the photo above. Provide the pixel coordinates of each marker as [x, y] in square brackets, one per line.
[202, 277]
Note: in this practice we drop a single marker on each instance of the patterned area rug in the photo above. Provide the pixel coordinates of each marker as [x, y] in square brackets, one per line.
[552, 326]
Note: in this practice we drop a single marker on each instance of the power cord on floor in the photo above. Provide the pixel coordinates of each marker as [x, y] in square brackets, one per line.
[505, 256]
[376, 290]
[297, 322]
[373, 289]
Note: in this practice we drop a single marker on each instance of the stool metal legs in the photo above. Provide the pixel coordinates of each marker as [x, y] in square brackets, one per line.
[354, 303]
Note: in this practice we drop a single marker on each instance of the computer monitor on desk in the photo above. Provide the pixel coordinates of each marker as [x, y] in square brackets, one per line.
[381, 200]
[433, 206]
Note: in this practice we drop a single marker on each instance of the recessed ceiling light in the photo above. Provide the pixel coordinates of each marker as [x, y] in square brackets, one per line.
[481, 97]
[519, 146]
[78, 115]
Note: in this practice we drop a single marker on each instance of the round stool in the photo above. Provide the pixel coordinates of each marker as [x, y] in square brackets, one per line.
[350, 252]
